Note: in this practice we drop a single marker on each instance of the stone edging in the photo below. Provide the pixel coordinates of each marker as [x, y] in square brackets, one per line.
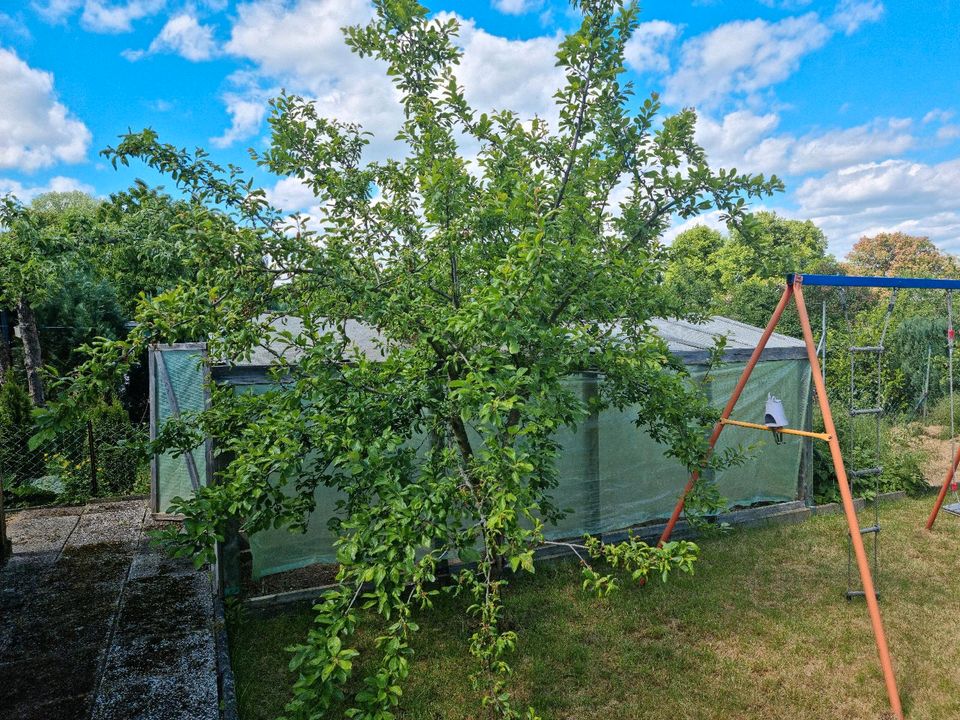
[225, 680]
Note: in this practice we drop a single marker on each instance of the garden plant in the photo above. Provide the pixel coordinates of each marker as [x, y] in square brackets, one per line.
[495, 257]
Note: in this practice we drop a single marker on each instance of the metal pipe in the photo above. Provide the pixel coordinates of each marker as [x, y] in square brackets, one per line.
[849, 510]
[727, 410]
[874, 281]
[956, 454]
[943, 490]
[785, 431]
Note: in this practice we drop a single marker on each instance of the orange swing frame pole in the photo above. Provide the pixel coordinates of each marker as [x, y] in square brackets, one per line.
[727, 410]
[795, 291]
[951, 473]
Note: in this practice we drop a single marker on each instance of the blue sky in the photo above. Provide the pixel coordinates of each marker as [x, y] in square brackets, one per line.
[853, 102]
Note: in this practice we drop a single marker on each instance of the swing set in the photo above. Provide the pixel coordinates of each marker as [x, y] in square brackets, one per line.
[775, 421]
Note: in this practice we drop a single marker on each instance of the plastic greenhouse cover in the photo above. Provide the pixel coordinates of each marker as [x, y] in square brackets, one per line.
[612, 475]
[185, 370]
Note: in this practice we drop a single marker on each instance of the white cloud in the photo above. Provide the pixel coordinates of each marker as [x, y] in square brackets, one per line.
[56, 11]
[36, 130]
[647, 49]
[742, 58]
[728, 141]
[186, 37]
[891, 195]
[711, 219]
[26, 193]
[298, 45]
[14, 26]
[246, 111]
[182, 35]
[882, 138]
[891, 182]
[945, 133]
[786, 4]
[106, 16]
[744, 140]
[299, 41]
[517, 7]
[938, 116]
[502, 74]
[291, 195]
[850, 15]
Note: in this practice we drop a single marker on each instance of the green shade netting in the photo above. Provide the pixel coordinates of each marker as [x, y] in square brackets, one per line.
[612, 475]
[186, 374]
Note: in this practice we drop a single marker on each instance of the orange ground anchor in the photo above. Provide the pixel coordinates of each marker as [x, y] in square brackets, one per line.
[794, 290]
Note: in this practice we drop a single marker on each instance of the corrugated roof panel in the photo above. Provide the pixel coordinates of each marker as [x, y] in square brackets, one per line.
[692, 342]
[682, 335]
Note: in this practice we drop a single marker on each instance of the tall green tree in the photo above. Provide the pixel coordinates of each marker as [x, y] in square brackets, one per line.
[494, 261]
[741, 274]
[137, 246]
[35, 249]
[75, 267]
[692, 268]
[43, 261]
[900, 254]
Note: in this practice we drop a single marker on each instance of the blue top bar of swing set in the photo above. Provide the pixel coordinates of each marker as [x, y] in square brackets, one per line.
[870, 281]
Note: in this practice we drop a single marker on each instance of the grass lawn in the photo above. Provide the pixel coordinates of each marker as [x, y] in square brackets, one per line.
[761, 630]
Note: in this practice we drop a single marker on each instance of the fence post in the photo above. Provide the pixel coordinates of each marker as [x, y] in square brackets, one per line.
[591, 429]
[93, 459]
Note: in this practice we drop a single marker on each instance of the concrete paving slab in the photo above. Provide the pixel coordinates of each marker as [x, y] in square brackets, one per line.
[96, 624]
[172, 677]
[117, 522]
[150, 562]
[166, 606]
[40, 535]
[63, 707]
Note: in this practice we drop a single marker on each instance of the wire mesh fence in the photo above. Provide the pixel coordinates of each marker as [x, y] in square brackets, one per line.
[50, 468]
[102, 457]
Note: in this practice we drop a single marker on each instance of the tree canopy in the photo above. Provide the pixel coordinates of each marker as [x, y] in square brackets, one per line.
[899, 254]
[497, 256]
[741, 274]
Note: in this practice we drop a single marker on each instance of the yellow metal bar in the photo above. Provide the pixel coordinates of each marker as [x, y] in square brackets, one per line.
[785, 431]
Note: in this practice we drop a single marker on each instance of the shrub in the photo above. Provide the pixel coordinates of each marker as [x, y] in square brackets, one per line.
[18, 463]
[902, 467]
[120, 449]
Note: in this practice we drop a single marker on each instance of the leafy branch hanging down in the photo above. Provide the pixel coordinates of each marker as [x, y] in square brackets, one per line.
[495, 258]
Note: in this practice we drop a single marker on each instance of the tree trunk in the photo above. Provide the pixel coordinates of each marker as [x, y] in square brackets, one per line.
[32, 358]
[6, 354]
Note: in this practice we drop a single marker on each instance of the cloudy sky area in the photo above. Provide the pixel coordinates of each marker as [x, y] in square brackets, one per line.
[853, 102]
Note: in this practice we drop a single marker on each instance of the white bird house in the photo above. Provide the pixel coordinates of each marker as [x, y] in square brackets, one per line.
[775, 418]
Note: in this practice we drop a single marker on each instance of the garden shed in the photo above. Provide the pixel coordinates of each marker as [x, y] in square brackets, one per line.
[613, 476]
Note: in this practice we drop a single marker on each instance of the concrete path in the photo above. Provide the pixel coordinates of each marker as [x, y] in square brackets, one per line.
[96, 625]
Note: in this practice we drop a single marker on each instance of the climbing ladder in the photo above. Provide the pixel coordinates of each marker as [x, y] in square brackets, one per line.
[871, 407]
[954, 507]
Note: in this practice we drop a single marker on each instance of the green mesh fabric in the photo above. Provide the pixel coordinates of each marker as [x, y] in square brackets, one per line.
[638, 483]
[185, 371]
[611, 474]
[771, 472]
[278, 549]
